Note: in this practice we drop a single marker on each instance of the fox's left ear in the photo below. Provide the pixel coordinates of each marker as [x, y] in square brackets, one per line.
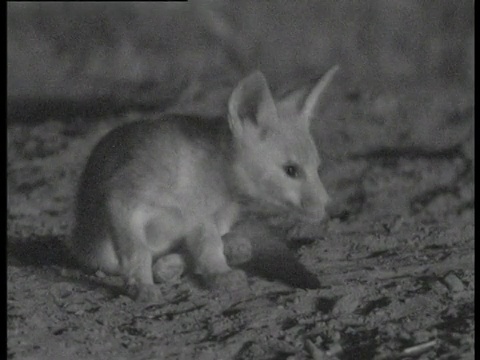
[251, 105]
[289, 106]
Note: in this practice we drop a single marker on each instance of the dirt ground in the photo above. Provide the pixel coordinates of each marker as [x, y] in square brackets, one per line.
[395, 260]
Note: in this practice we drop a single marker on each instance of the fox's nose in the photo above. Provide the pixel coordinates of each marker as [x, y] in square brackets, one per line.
[314, 200]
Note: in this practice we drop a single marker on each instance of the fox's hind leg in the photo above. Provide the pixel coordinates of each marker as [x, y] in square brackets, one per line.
[136, 267]
[127, 228]
[206, 248]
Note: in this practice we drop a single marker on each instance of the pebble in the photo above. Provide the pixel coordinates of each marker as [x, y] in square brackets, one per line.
[100, 274]
[335, 349]
[454, 284]
[346, 305]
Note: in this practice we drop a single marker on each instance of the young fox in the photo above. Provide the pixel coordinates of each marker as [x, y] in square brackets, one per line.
[152, 186]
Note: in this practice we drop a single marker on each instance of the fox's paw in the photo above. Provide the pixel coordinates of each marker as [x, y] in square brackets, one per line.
[168, 268]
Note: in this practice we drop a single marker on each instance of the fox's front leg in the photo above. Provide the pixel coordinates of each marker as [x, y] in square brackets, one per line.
[206, 248]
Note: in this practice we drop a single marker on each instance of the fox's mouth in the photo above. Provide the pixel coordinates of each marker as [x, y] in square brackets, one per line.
[270, 206]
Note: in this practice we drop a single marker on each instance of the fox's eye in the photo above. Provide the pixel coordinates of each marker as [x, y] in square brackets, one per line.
[292, 171]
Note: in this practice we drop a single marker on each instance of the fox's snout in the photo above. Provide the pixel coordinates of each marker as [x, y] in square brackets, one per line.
[314, 201]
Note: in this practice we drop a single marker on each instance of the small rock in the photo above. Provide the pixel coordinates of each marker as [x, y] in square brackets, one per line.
[454, 284]
[334, 349]
[346, 305]
[100, 274]
[439, 287]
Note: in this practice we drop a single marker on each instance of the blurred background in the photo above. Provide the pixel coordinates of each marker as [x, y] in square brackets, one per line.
[116, 56]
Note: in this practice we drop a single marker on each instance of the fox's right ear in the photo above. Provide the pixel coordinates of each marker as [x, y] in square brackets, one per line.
[251, 101]
[316, 93]
[293, 105]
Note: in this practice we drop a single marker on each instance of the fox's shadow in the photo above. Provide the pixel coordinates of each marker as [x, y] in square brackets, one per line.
[51, 252]
[41, 251]
[275, 262]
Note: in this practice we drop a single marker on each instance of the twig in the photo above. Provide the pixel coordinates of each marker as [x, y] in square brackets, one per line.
[419, 348]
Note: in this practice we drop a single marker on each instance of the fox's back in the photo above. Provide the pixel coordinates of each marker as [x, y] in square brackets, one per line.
[173, 159]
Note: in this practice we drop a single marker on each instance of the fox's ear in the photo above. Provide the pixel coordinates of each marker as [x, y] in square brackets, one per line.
[252, 101]
[316, 93]
[292, 104]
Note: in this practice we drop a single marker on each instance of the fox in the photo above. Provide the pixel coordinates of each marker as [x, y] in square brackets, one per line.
[180, 181]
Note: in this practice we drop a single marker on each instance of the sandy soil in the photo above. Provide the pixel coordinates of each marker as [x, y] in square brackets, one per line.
[395, 261]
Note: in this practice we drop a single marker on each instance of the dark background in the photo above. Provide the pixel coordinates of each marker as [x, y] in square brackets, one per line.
[151, 54]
